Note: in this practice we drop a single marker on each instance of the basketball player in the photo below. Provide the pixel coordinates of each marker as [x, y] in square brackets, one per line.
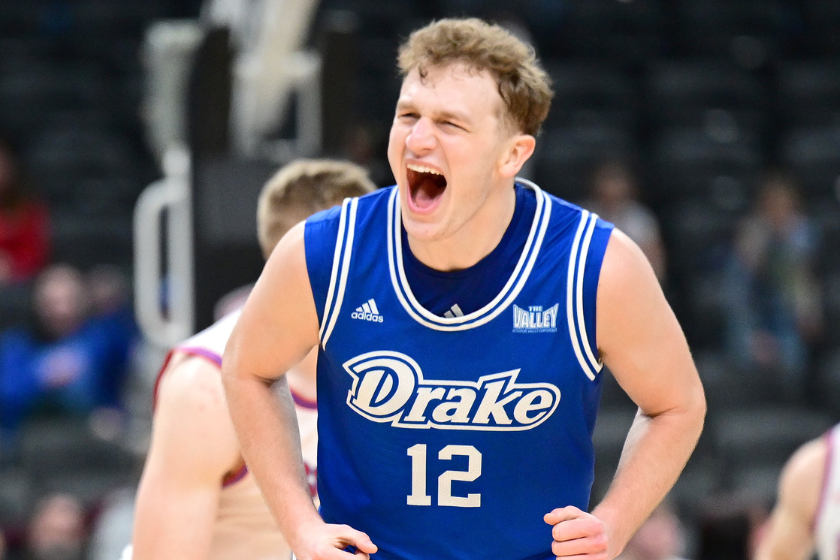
[806, 518]
[197, 499]
[460, 344]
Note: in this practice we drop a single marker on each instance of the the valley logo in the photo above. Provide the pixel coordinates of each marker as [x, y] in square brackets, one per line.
[535, 319]
[389, 387]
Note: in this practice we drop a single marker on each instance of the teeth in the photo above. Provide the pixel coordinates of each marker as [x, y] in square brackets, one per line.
[422, 169]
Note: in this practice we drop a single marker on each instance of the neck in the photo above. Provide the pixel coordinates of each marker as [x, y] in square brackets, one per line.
[474, 240]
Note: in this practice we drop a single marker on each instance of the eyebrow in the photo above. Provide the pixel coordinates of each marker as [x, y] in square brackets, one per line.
[438, 115]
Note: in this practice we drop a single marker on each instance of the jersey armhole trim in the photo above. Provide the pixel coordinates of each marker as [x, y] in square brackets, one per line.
[189, 352]
[340, 268]
[574, 296]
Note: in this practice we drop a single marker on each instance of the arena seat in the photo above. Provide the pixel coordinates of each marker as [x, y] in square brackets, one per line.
[813, 154]
[730, 386]
[706, 162]
[623, 32]
[565, 156]
[748, 32]
[822, 20]
[51, 445]
[681, 92]
[86, 240]
[754, 484]
[15, 495]
[587, 92]
[808, 92]
[756, 436]
[828, 374]
[831, 301]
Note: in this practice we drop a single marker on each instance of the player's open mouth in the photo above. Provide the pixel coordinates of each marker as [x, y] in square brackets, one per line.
[425, 185]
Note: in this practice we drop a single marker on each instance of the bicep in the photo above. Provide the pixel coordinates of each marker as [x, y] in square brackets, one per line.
[193, 447]
[639, 338]
[279, 323]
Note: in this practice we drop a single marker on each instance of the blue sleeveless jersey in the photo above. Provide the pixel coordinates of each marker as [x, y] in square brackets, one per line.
[451, 437]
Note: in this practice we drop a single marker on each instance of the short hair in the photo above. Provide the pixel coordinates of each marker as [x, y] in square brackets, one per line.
[524, 86]
[300, 189]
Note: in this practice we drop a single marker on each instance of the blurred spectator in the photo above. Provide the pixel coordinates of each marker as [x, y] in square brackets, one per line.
[113, 313]
[57, 530]
[773, 296]
[614, 193]
[24, 235]
[659, 538]
[63, 361]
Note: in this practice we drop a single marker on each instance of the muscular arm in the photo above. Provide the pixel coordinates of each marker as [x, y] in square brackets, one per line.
[641, 342]
[790, 535]
[193, 447]
[278, 327]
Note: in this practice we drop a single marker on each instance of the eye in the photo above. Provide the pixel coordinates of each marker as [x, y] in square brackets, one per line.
[450, 124]
[408, 115]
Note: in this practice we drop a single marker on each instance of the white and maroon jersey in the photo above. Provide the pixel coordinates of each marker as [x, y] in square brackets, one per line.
[244, 527]
[827, 525]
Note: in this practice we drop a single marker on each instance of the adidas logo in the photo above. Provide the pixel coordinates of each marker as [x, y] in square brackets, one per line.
[454, 311]
[368, 312]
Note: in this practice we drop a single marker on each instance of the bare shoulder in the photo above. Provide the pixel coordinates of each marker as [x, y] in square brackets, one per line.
[289, 255]
[625, 266]
[802, 477]
[192, 426]
[191, 384]
[630, 302]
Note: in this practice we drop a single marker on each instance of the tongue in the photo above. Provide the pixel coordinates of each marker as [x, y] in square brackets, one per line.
[426, 191]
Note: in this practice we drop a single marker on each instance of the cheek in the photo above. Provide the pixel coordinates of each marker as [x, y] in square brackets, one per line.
[396, 140]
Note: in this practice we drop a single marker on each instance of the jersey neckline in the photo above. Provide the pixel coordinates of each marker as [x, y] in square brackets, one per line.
[499, 303]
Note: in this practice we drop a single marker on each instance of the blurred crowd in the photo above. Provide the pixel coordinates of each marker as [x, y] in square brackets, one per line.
[69, 343]
[66, 346]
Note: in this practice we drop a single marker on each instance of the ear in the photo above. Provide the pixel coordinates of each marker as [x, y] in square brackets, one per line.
[517, 152]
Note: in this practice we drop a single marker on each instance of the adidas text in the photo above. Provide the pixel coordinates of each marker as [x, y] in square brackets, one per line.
[366, 317]
[367, 312]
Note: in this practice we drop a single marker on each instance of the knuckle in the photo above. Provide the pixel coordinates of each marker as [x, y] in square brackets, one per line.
[601, 541]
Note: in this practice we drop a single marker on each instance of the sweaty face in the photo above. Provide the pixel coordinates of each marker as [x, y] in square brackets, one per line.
[446, 142]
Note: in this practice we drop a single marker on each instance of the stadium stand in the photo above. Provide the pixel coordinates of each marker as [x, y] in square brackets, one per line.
[704, 95]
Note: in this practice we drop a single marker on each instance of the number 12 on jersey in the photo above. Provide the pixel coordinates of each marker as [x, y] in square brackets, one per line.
[419, 497]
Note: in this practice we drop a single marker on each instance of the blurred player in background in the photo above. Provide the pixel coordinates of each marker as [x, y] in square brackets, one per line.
[461, 350]
[806, 518]
[196, 499]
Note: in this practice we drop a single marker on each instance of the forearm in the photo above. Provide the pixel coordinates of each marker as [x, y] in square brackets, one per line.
[266, 424]
[654, 454]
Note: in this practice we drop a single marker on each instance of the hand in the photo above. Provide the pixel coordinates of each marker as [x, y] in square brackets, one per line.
[335, 542]
[577, 534]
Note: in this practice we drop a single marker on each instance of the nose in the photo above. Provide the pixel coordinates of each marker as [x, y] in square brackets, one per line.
[422, 138]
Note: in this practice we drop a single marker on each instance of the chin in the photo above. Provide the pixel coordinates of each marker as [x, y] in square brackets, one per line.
[422, 230]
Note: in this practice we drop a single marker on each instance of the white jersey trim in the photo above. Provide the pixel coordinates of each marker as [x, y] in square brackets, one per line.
[490, 311]
[340, 269]
[574, 295]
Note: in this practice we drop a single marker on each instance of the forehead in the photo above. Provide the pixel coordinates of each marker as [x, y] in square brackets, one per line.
[453, 87]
